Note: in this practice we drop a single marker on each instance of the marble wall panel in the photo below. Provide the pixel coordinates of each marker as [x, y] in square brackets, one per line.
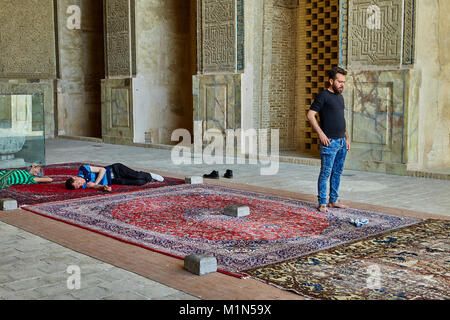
[117, 111]
[217, 101]
[379, 123]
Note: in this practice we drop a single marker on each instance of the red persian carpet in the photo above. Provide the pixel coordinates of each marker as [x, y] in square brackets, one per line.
[186, 219]
[56, 191]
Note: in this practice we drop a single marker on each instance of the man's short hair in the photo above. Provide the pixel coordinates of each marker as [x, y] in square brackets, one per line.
[69, 184]
[39, 174]
[332, 74]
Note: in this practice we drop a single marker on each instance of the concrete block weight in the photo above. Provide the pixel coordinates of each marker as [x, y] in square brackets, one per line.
[194, 180]
[237, 211]
[200, 264]
[8, 204]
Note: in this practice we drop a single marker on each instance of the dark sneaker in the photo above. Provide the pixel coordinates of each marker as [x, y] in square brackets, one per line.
[229, 174]
[212, 175]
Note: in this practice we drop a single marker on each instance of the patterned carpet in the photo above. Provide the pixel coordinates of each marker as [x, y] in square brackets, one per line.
[56, 191]
[406, 264]
[185, 219]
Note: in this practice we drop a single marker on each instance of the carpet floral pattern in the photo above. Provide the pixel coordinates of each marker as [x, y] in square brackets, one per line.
[406, 264]
[185, 219]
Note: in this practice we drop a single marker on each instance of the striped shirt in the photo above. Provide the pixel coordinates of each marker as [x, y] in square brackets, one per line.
[18, 177]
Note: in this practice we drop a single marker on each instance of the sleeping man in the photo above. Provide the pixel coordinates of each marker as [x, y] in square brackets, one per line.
[102, 177]
[34, 174]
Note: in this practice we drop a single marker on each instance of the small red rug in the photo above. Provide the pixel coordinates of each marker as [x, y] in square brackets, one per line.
[56, 191]
[188, 219]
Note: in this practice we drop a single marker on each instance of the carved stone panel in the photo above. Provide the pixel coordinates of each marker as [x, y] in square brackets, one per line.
[375, 33]
[27, 39]
[117, 111]
[119, 38]
[217, 102]
[409, 32]
[220, 36]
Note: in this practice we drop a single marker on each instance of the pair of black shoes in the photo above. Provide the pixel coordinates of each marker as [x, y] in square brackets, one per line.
[215, 175]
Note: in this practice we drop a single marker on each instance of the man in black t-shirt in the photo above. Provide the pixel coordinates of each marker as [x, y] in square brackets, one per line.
[334, 143]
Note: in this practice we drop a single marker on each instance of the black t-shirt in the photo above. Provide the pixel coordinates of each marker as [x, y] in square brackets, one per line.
[331, 107]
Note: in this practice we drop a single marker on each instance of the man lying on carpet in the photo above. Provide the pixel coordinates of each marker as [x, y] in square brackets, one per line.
[101, 177]
[34, 174]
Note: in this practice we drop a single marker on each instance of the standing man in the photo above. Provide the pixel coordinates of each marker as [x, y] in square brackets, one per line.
[334, 143]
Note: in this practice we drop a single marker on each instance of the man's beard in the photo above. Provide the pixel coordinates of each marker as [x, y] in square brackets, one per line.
[337, 90]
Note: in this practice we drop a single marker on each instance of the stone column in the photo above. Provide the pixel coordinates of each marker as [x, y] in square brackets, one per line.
[220, 63]
[377, 48]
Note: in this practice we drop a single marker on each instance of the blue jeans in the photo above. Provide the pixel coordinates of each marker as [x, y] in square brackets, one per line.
[333, 159]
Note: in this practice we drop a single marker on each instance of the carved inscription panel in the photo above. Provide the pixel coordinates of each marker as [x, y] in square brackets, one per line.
[27, 39]
[119, 51]
[218, 35]
[375, 33]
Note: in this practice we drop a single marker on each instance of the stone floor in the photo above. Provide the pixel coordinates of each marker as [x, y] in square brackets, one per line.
[34, 268]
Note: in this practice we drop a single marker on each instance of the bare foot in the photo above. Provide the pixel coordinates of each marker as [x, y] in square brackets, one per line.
[338, 205]
[323, 208]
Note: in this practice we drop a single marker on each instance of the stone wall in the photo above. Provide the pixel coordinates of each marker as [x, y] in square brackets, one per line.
[433, 62]
[82, 67]
[162, 89]
[283, 86]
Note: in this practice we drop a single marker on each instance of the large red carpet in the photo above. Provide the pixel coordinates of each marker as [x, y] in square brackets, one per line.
[185, 219]
[56, 191]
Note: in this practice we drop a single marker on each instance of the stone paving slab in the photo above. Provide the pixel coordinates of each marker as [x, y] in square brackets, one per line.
[41, 274]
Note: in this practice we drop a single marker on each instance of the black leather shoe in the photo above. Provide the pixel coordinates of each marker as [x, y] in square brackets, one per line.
[212, 175]
[229, 174]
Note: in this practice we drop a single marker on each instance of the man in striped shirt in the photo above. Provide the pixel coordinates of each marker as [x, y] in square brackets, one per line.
[12, 177]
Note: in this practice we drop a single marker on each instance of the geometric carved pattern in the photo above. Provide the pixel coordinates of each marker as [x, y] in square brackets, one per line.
[119, 17]
[318, 53]
[343, 45]
[408, 33]
[375, 33]
[240, 34]
[27, 39]
[218, 36]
